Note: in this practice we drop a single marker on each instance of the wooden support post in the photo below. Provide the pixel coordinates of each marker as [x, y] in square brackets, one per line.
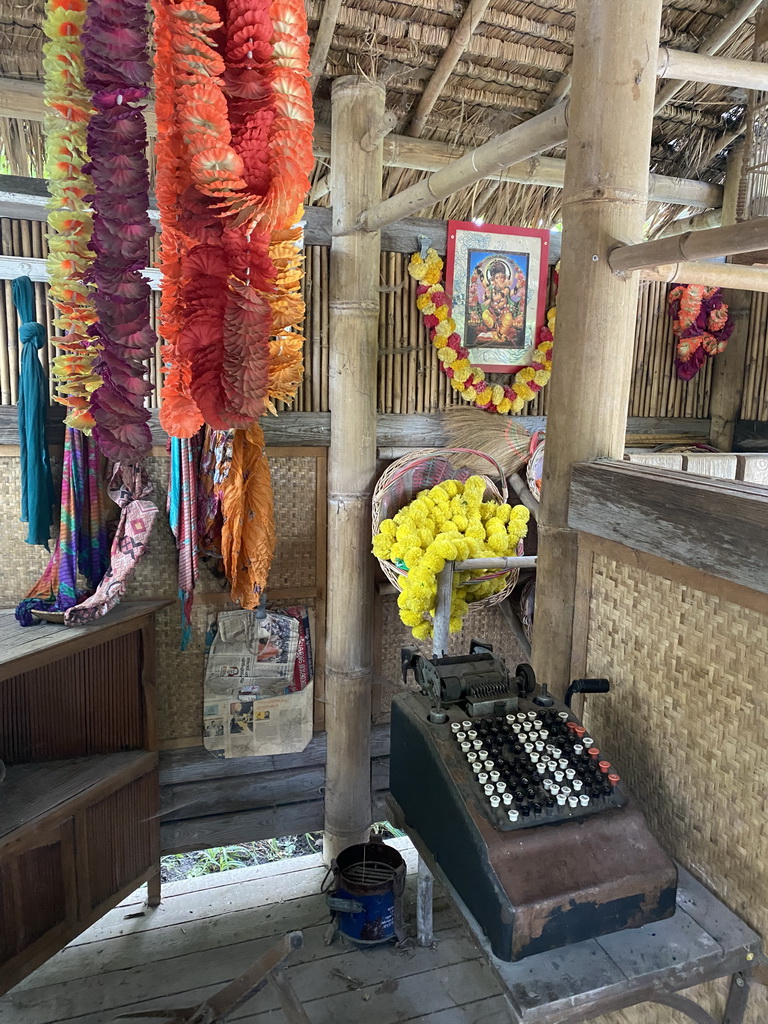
[729, 367]
[606, 191]
[357, 103]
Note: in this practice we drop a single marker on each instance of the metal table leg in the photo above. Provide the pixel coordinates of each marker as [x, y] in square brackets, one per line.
[424, 905]
[735, 1008]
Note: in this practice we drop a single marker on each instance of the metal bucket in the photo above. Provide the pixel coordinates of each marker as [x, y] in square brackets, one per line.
[366, 900]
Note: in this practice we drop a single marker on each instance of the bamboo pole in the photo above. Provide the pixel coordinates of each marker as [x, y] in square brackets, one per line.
[714, 275]
[699, 222]
[428, 155]
[749, 236]
[730, 366]
[698, 67]
[525, 140]
[473, 15]
[323, 41]
[354, 317]
[614, 80]
[727, 28]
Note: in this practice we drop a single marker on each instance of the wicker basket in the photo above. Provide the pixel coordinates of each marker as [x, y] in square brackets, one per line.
[399, 484]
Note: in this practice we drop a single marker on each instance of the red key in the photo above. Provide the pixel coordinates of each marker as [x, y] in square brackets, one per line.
[604, 766]
[593, 752]
[614, 779]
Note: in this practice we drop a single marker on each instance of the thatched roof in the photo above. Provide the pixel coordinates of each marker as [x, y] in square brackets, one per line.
[515, 58]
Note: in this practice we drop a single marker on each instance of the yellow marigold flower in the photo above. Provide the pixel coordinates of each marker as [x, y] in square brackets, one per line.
[470, 394]
[504, 406]
[547, 364]
[474, 488]
[519, 512]
[432, 276]
[443, 330]
[422, 301]
[388, 528]
[423, 631]
[451, 487]
[451, 324]
[382, 546]
[497, 394]
[541, 377]
[484, 398]
[524, 392]
[410, 618]
[446, 355]
[441, 312]
[461, 375]
[527, 373]
[545, 346]
[517, 405]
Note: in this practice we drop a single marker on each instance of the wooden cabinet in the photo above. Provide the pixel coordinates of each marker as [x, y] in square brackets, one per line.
[79, 805]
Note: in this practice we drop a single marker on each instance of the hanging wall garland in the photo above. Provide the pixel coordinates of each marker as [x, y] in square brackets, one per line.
[701, 326]
[70, 218]
[234, 157]
[117, 72]
[469, 380]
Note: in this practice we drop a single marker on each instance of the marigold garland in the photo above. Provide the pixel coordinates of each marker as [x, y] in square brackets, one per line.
[69, 255]
[701, 325]
[469, 380]
[448, 522]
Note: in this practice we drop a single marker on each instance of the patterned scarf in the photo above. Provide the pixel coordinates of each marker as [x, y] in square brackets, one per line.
[129, 488]
[82, 541]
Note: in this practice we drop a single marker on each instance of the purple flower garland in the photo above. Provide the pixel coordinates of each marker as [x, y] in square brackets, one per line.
[117, 72]
[701, 326]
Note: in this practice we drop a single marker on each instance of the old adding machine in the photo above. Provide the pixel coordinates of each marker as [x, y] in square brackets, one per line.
[520, 808]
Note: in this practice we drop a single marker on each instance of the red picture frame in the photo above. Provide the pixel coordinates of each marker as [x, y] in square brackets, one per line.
[496, 277]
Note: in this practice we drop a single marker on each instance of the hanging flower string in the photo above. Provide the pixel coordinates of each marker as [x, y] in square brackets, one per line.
[117, 71]
[469, 380]
[701, 325]
[70, 221]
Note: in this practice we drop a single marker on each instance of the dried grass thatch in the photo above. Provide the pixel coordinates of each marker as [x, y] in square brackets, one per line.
[517, 56]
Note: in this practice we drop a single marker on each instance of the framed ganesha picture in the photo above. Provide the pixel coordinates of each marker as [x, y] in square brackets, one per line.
[497, 280]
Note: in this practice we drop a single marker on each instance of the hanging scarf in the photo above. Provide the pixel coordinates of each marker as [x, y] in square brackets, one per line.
[182, 515]
[129, 488]
[215, 462]
[248, 528]
[82, 541]
[37, 491]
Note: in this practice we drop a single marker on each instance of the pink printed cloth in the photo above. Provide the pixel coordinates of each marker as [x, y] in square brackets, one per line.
[129, 488]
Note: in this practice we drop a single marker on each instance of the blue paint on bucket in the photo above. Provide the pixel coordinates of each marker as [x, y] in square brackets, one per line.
[366, 900]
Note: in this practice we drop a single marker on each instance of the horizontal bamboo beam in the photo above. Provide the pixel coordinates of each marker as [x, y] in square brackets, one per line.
[727, 28]
[699, 222]
[525, 140]
[24, 101]
[427, 155]
[749, 236]
[700, 67]
[496, 564]
[713, 275]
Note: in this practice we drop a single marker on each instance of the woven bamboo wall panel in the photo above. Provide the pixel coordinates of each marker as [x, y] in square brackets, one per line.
[179, 673]
[483, 623]
[409, 377]
[688, 720]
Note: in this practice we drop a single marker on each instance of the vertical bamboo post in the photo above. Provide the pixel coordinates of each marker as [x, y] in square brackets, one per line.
[729, 367]
[604, 201]
[357, 103]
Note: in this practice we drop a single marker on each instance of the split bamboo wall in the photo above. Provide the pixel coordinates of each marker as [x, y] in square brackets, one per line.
[409, 378]
[687, 720]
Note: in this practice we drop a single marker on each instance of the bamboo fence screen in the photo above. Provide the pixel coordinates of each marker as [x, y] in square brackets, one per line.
[409, 377]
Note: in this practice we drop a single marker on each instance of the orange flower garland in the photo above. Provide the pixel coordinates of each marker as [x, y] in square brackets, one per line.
[469, 380]
[239, 124]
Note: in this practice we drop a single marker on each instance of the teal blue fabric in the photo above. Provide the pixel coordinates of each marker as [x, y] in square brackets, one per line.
[37, 492]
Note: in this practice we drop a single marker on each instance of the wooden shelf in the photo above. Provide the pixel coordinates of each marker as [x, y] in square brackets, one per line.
[34, 791]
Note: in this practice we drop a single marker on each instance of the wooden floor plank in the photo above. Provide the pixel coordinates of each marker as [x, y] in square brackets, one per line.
[316, 973]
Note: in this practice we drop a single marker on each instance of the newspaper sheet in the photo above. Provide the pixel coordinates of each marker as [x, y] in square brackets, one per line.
[258, 684]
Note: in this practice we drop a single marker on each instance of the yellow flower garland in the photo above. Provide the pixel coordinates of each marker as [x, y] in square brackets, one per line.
[469, 380]
[448, 522]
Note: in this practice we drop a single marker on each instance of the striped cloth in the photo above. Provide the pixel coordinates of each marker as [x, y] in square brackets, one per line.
[182, 516]
[82, 541]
